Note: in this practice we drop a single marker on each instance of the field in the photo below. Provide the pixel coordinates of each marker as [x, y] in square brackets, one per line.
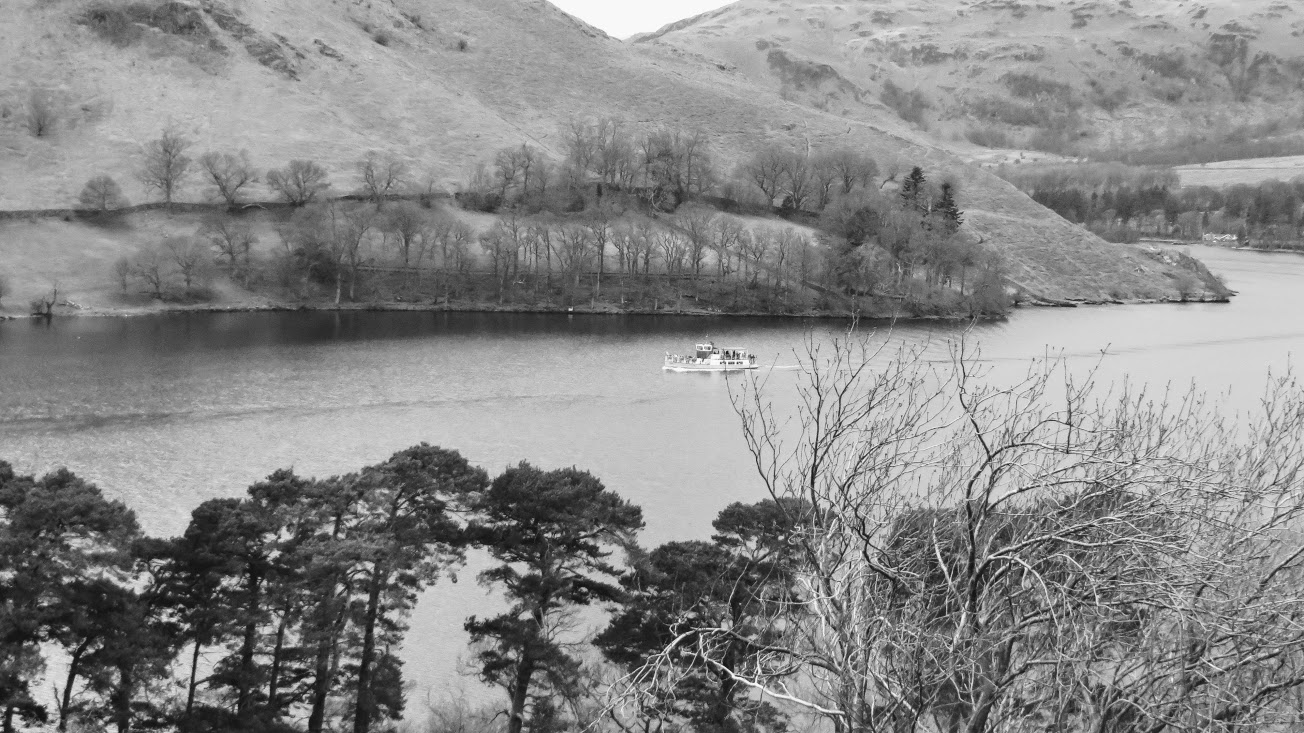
[1248, 171]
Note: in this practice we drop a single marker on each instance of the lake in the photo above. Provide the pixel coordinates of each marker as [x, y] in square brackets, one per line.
[164, 412]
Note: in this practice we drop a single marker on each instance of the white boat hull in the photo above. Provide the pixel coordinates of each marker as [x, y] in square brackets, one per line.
[706, 367]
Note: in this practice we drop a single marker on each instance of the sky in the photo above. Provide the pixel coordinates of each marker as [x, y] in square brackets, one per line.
[624, 18]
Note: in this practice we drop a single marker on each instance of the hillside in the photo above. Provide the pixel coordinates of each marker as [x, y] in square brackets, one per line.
[442, 83]
[1060, 76]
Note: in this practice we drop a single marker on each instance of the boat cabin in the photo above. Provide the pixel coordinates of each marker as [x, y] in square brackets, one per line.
[728, 353]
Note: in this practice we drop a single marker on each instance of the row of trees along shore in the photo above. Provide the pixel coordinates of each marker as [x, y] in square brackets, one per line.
[1123, 203]
[634, 219]
[937, 552]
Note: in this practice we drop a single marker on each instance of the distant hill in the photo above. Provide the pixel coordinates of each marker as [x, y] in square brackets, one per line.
[1056, 75]
[445, 83]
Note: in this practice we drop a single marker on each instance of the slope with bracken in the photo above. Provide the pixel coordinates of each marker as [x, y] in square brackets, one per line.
[443, 83]
[1067, 75]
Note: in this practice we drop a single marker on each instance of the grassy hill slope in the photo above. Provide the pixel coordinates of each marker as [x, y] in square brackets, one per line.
[1097, 72]
[443, 83]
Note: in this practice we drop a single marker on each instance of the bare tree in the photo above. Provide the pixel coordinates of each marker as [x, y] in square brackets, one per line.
[697, 226]
[43, 305]
[725, 236]
[503, 244]
[673, 247]
[409, 225]
[1043, 555]
[228, 174]
[122, 271]
[191, 259]
[350, 229]
[381, 176]
[232, 239]
[166, 164]
[853, 169]
[825, 175]
[755, 245]
[797, 179]
[101, 193]
[581, 141]
[299, 183]
[766, 171]
[573, 249]
[41, 115]
[614, 153]
[152, 264]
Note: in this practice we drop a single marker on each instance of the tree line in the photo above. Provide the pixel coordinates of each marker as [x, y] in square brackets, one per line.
[1123, 203]
[625, 218]
[284, 609]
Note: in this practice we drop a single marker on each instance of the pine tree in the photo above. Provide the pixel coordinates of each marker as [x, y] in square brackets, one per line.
[731, 585]
[912, 190]
[54, 531]
[947, 210]
[553, 532]
[404, 538]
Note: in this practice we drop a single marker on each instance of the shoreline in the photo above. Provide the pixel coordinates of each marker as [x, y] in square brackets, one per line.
[135, 312]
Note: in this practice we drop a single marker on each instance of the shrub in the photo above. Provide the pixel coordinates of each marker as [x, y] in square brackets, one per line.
[111, 23]
[1008, 112]
[41, 116]
[1109, 101]
[120, 24]
[909, 106]
[382, 37]
[1169, 64]
[463, 44]
[1031, 86]
[101, 194]
[484, 201]
[988, 136]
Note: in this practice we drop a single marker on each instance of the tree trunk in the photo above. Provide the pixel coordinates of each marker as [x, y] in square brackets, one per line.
[66, 702]
[190, 688]
[245, 687]
[324, 671]
[320, 686]
[120, 700]
[520, 695]
[277, 649]
[363, 710]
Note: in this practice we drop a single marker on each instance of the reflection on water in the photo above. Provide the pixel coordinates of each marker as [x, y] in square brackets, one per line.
[167, 411]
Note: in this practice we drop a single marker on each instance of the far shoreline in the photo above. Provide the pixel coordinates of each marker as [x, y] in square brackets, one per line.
[377, 307]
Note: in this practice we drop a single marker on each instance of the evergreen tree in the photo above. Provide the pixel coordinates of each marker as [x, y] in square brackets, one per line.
[553, 533]
[731, 585]
[136, 650]
[54, 532]
[241, 535]
[913, 190]
[404, 537]
[948, 211]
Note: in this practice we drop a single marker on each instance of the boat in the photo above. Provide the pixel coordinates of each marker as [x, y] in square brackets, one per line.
[708, 357]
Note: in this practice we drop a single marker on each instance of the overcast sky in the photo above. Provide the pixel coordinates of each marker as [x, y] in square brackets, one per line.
[624, 18]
